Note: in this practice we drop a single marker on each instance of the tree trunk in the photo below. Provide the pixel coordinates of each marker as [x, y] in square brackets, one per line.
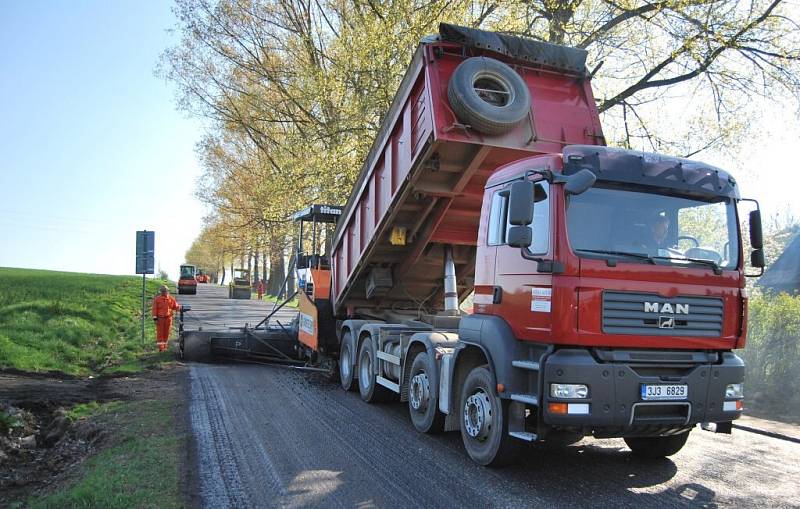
[264, 266]
[290, 285]
[255, 268]
[250, 267]
[277, 272]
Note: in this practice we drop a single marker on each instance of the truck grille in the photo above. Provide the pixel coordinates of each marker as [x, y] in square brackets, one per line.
[651, 315]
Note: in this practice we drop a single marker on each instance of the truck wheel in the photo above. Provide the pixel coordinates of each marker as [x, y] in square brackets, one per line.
[370, 391]
[657, 447]
[488, 95]
[346, 364]
[484, 421]
[423, 398]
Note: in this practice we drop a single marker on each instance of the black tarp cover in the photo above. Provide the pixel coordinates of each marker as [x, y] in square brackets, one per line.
[563, 58]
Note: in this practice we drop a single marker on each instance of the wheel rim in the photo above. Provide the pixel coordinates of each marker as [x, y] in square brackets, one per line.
[478, 415]
[344, 363]
[492, 90]
[419, 392]
[365, 369]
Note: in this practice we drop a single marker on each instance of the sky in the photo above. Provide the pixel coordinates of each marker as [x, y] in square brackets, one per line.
[764, 164]
[92, 147]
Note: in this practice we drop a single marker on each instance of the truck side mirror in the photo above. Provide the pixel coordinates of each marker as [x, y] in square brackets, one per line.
[519, 236]
[580, 182]
[520, 203]
[756, 236]
[757, 259]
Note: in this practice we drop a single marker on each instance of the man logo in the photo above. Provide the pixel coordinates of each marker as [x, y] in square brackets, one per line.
[666, 322]
[666, 307]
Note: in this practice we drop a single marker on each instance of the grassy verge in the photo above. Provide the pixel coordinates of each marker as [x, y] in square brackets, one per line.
[140, 469]
[74, 323]
[269, 298]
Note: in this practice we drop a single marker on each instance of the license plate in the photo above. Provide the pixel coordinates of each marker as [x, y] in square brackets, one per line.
[661, 392]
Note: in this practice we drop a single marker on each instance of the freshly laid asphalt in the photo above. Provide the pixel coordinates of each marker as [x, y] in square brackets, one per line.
[268, 436]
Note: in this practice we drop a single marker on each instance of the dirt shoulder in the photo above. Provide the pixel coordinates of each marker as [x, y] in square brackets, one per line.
[60, 433]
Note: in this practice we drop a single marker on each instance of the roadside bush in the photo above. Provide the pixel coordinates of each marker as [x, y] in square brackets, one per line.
[8, 422]
[772, 356]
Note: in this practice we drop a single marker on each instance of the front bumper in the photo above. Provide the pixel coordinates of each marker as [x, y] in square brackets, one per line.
[615, 406]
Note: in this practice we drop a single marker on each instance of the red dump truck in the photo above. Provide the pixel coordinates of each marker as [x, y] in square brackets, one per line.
[607, 285]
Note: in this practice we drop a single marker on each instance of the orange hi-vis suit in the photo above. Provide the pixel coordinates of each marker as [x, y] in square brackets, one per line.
[163, 308]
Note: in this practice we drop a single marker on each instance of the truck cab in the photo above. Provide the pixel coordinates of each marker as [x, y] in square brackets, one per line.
[612, 311]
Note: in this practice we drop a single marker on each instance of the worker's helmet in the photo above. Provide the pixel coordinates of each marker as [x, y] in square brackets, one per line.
[163, 289]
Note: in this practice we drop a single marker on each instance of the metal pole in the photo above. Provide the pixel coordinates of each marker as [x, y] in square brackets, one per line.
[143, 310]
[314, 237]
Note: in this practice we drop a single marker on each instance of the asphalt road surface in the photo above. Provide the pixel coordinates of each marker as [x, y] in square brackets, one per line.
[268, 436]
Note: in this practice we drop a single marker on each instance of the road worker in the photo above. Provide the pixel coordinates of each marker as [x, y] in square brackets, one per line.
[260, 289]
[164, 305]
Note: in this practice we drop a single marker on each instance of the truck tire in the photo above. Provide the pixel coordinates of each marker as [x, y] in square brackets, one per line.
[346, 366]
[657, 447]
[423, 397]
[488, 95]
[368, 387]
[484, 421]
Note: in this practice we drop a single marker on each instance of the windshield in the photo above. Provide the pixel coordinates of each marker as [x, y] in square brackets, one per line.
[653, 227]
[187, 271]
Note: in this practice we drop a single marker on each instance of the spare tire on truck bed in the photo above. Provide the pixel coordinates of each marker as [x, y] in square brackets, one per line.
[488, 95]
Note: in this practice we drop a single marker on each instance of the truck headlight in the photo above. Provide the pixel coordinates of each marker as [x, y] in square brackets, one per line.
[569, 391]
[734, 391]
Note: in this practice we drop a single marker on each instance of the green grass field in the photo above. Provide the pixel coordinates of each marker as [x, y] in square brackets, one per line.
[74, 323]
[269, 298]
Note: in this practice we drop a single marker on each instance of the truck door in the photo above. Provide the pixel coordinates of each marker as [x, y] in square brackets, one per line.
[494, 206]
[526, 293]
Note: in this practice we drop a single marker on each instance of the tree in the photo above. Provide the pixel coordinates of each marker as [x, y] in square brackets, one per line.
[328, 70]
[296, 90]
[214, 248]
[706, 57]
[772, 355]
